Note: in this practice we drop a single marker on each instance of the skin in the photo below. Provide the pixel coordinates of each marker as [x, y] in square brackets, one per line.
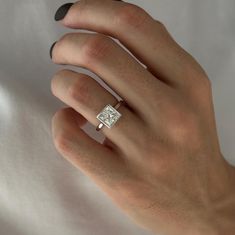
[161, 163]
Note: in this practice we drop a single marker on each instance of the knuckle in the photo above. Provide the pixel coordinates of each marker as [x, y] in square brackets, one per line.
[131, 15]
[96, 48]
[203, 95]
[184, 127]
[203, 91]
[196, 74]
[79, 90]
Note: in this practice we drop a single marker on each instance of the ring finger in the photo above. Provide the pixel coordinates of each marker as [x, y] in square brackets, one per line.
[88, 97]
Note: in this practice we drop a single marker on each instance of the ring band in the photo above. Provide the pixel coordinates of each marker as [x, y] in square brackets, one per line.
[109, 115]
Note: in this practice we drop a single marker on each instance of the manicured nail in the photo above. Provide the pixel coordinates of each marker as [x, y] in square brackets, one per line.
[51, 49]
[62, 11]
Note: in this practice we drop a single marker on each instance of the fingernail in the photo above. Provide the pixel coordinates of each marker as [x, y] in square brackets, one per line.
[51, 49]
[62, 11]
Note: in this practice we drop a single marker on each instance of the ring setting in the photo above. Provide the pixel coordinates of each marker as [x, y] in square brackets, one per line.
[109, 116]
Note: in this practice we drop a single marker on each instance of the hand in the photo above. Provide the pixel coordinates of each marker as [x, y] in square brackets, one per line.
[161, 163]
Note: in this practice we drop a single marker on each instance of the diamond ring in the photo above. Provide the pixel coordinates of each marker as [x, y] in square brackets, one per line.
[109, 115]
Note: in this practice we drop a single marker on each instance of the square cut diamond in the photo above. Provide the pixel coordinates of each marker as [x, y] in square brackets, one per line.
[108, 116]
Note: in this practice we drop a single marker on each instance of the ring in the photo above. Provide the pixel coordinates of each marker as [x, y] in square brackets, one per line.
[109, 115]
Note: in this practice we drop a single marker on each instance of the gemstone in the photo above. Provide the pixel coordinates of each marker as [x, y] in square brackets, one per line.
[109, 116]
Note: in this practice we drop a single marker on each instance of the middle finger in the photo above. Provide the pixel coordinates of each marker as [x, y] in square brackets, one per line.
[124, 74]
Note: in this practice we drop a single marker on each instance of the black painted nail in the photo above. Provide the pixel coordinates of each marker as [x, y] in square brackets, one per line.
[51, 49]
[62, 11]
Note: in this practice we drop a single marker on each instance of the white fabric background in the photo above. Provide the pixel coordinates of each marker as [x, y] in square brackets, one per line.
[40, 192]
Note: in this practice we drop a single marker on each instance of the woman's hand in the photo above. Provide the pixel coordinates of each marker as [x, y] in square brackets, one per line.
[161, 162]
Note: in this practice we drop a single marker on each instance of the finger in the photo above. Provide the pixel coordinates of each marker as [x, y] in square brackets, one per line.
[114, 65]
[92, 158]
[145, 37]
[88, 97]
